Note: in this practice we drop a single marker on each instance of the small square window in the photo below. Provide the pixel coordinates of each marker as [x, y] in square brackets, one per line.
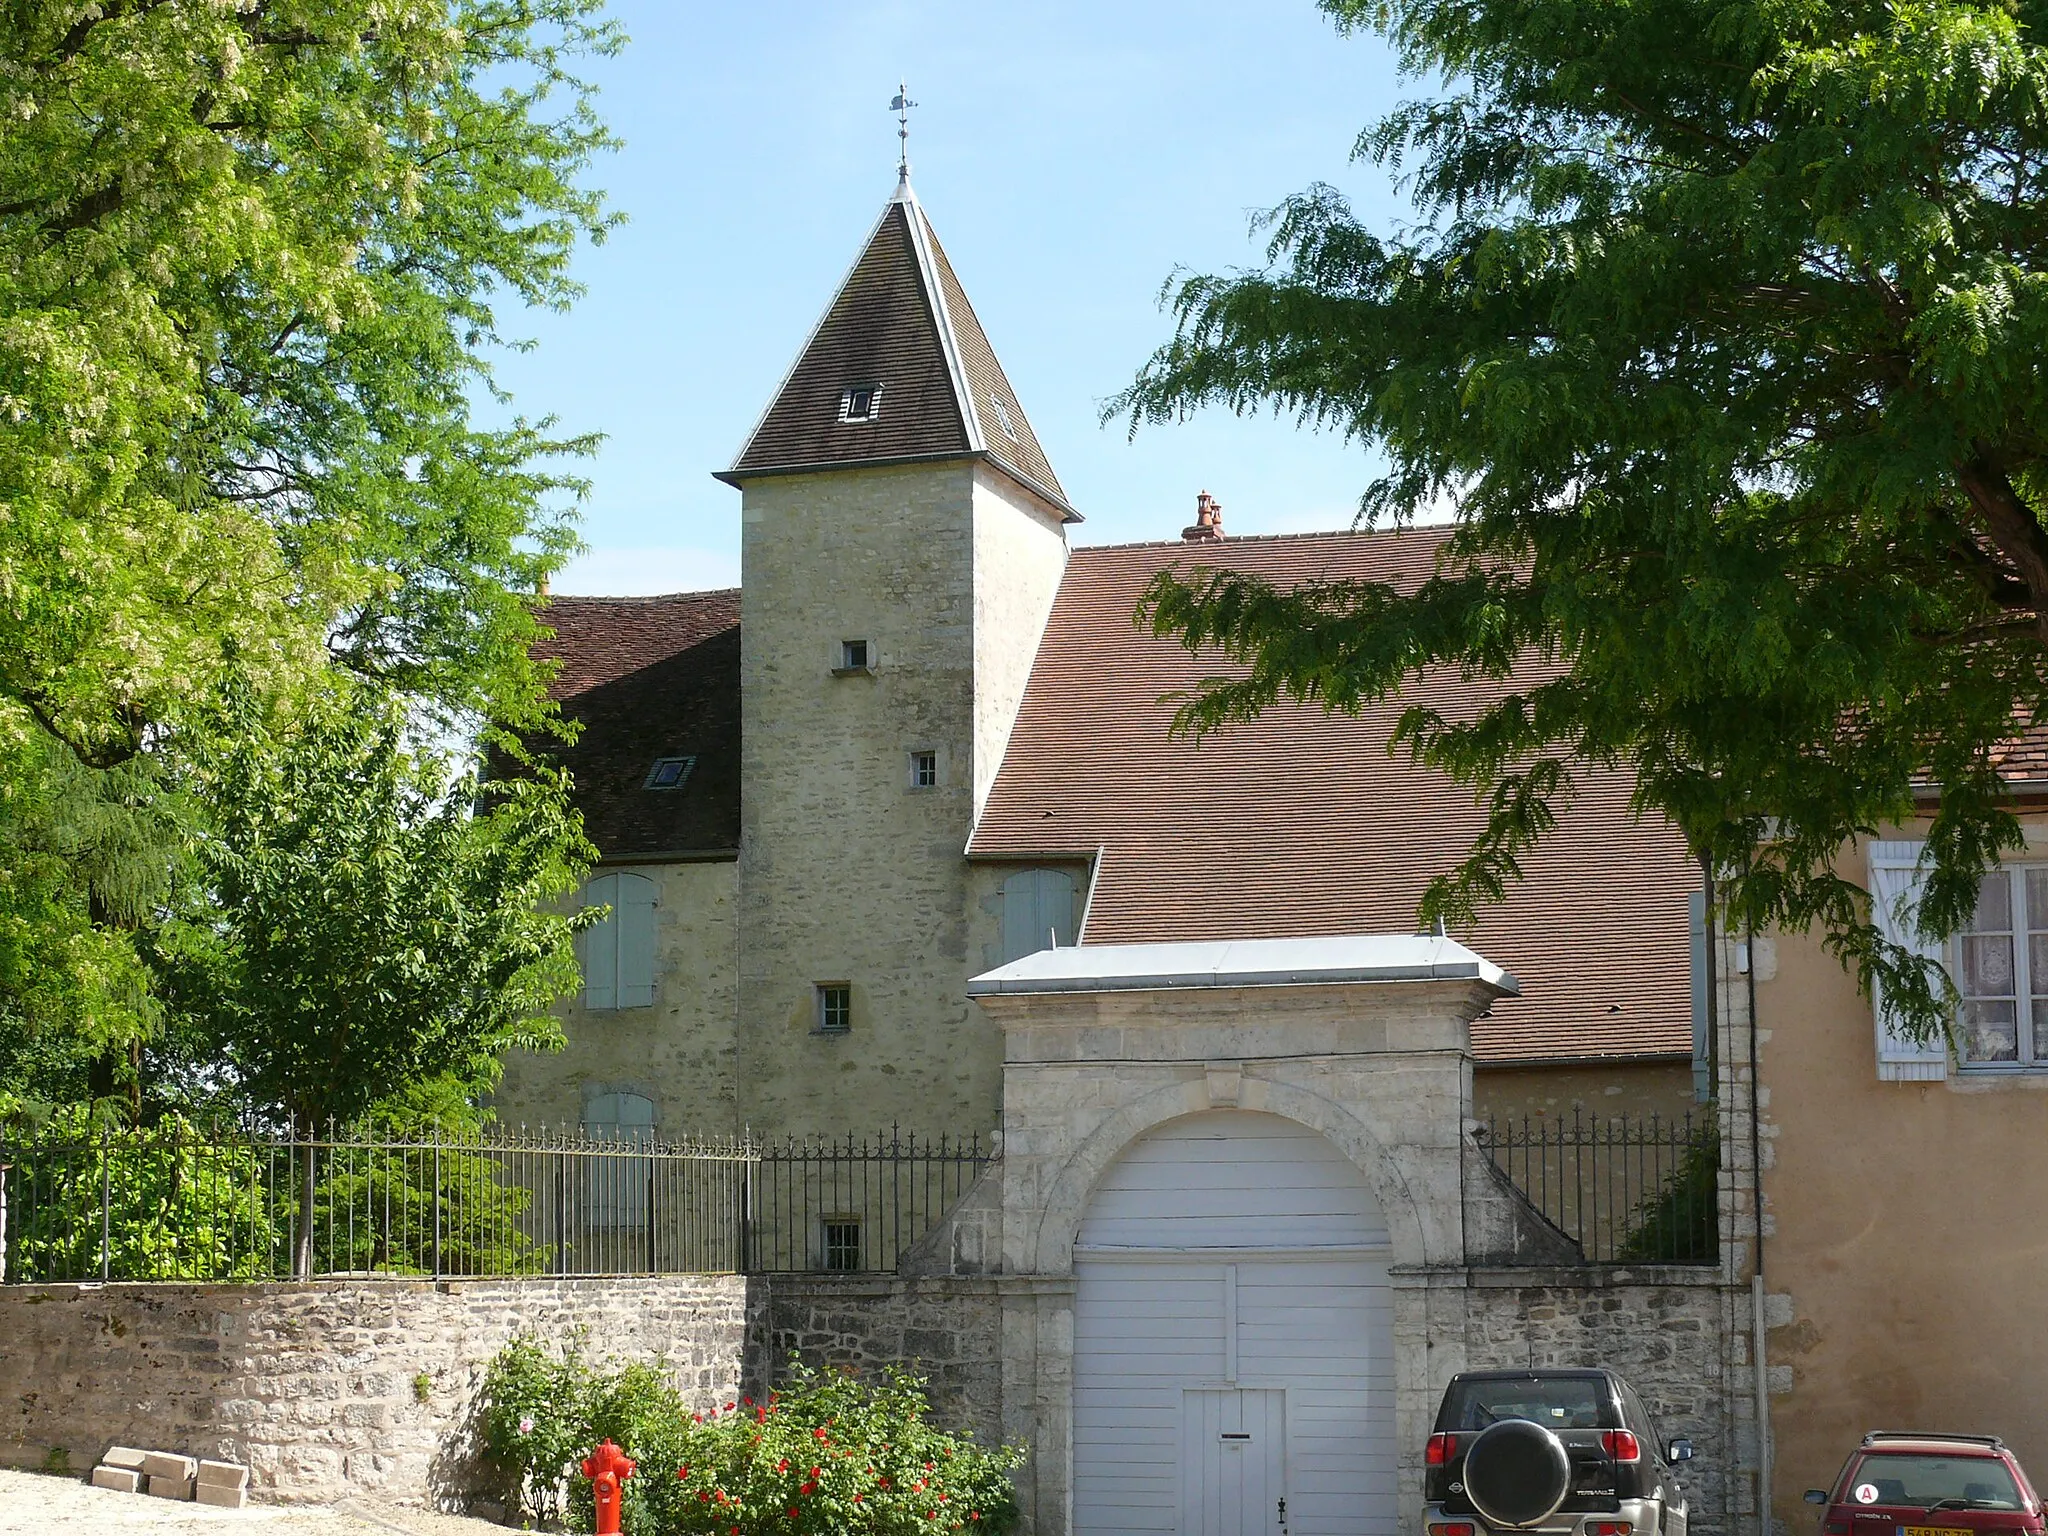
[860, 402]
[924, 770]
[842, 1244]
[856, 656]
[1003, 417]
[669, 773]
[835, 1008]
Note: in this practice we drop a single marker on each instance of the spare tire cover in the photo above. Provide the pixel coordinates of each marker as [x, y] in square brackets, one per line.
[1517, 1473]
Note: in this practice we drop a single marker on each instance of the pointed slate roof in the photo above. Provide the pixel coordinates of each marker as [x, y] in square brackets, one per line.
[900, 321]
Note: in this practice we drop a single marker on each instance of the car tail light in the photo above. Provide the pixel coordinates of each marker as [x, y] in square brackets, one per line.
[1439, 1451]
[1453, 1528]
[1621, 1444]
[1608, 1528]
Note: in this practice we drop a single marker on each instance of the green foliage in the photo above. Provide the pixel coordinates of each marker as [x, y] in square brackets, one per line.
[826, 1454]
[248, 261]
[542, 1413]
[1681, 1222]
[168, 1203]
[1721, 324]
[378, 920]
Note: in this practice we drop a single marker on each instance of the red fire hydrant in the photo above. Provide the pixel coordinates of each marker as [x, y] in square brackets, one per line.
[607, 1467]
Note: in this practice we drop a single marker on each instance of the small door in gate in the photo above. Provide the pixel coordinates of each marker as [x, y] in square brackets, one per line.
[1233, 1462]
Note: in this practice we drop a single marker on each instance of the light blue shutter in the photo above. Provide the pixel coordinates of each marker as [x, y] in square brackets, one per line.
[601, 945]
[1038, 912]
[633, 918]
[1896, 882]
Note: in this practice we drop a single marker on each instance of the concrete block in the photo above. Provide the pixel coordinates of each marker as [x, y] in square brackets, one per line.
[223, 1474]
[171, 1487]
[164, 1464]
[117, 1479]
[124, 1456]
[220, 1494]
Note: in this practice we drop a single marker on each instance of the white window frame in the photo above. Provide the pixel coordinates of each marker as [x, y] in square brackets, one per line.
[819, 993]
[921, 760]
[2030, 1054]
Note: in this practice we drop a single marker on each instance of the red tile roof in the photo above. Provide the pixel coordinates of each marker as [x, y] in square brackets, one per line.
[1301, 824]
[651, 677]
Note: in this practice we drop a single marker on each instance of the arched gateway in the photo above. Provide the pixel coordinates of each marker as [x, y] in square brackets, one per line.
[1233, 1338]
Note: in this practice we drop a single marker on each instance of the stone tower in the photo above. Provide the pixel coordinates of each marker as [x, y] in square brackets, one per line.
[902, 537]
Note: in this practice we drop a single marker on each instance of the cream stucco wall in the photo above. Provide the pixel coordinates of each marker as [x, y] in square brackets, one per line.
[1906, 1233]
[847, 873]
[680, 1052]
[1020, 549]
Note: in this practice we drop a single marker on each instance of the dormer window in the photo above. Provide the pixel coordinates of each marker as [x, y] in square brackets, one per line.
[860, 402]
[669, 772]
[1003, 416]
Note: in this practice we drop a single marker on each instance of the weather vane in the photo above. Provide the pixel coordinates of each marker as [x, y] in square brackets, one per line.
[901, 107]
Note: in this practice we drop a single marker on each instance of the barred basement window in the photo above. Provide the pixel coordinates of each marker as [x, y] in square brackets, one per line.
[835, 1008]
[842, 1244]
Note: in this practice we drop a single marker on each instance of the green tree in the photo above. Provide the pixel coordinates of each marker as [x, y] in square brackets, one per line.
[252, 262]
[1721, 323]
[377, 921]
[248, 260]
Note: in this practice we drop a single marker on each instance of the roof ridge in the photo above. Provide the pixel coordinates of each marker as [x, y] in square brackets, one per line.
[640, 597]
[1260, 538]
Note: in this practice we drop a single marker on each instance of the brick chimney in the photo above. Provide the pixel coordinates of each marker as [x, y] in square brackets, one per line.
[1208, 520]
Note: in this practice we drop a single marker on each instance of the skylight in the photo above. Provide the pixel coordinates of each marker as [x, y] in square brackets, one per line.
[669, 772]
[1003, 416]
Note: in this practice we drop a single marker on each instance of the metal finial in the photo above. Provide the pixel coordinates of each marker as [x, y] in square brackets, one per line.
[901, 106]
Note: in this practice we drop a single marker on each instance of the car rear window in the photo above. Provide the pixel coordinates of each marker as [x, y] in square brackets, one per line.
[1560, 1403]
[1903, 1477]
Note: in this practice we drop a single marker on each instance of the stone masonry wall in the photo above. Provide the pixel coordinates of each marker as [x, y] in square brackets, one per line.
[1665, 1331]
[948, 1331]
[331, 1388]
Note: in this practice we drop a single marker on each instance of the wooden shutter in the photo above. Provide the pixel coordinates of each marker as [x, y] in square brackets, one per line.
[1038, 911]
[601, 945]
[633, 919]
[1896, 883]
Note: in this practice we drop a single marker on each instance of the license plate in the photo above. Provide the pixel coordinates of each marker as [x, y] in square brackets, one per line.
[1935, 1530]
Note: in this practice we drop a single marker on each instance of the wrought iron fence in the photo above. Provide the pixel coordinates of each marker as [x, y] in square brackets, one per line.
[844, 1204]
[1627, 1189]
[177, 1203]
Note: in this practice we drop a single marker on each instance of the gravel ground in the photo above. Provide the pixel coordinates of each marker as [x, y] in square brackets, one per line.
[33, 1502]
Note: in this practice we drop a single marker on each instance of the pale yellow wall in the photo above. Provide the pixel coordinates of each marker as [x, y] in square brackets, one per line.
[681, 1051]
[1020, 549]
[1596, 1090]
[847, 874]
[1906, 1246]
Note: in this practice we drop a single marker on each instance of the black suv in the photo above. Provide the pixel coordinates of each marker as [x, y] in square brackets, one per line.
[1563, 1451]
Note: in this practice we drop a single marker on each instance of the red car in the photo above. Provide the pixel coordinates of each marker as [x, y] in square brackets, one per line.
[1897, 1484]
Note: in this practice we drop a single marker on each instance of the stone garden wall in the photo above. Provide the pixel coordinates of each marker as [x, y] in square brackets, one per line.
[331, 1388]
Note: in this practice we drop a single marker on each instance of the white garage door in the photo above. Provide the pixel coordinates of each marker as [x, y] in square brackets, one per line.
[1233, 1338]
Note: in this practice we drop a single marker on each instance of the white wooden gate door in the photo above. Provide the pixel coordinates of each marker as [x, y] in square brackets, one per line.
[1233, 1461]
[1231, 1256]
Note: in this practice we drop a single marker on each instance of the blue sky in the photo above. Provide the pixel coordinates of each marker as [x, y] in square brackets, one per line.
[1070, 155]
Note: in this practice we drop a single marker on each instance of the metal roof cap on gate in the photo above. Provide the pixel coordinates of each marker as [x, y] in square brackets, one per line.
[1348, 958]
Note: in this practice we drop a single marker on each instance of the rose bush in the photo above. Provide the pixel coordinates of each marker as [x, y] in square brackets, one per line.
[827, 1453]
